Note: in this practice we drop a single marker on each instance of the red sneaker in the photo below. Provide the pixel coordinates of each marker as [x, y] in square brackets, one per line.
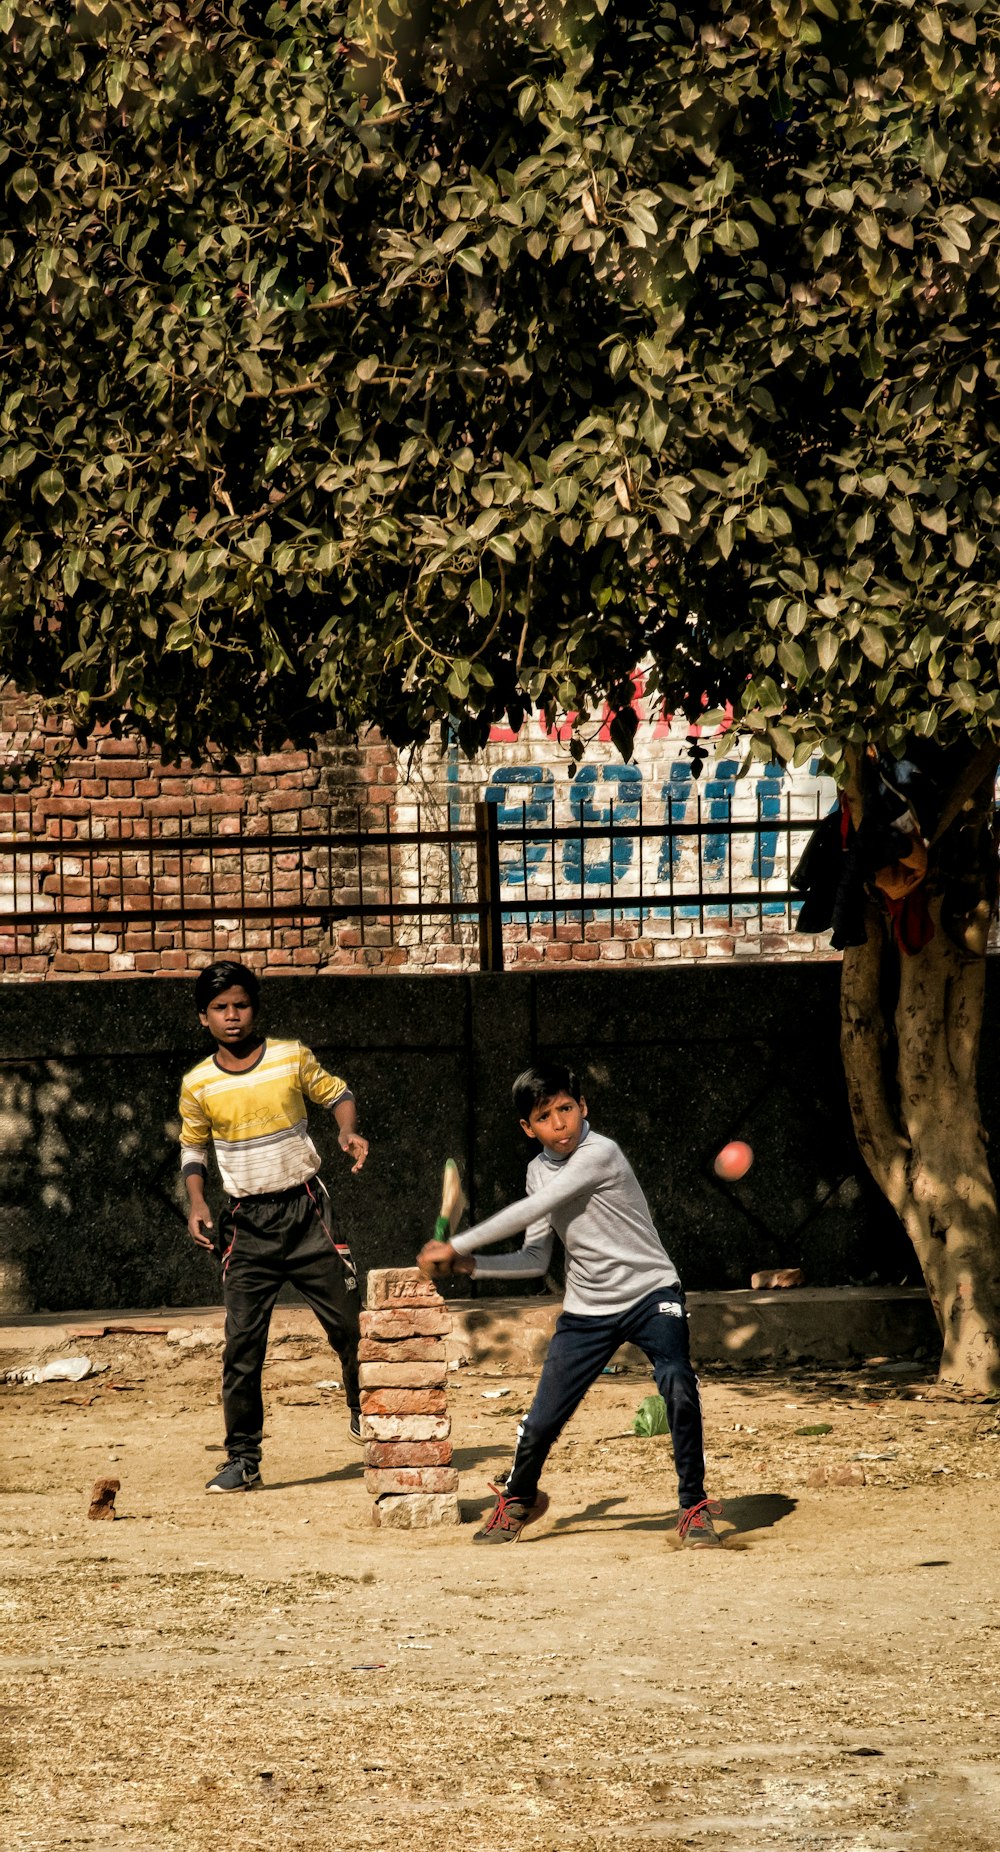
[509, 1516]
[695, 1527]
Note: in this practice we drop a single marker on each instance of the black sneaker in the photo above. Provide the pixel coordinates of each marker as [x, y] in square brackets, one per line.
[236, 1476]
[355, 1426]
[509, 1516]
[695, 1527]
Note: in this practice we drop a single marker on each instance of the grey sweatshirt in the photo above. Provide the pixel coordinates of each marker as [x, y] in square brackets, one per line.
[592, 1201]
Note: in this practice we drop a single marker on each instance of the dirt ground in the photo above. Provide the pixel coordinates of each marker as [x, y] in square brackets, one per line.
[266, 1670]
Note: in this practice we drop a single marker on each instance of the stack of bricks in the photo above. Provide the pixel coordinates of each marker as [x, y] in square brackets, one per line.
[404, 1403]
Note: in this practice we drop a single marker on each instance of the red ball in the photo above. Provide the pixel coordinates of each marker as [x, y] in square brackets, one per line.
[733, 1161]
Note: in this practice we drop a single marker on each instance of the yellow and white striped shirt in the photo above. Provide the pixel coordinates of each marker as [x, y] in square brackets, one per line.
[257, 1119]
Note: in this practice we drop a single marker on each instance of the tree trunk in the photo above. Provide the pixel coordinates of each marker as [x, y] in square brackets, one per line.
[911, 1078]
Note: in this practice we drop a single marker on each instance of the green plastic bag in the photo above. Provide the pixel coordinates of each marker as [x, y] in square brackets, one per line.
[651, 1417]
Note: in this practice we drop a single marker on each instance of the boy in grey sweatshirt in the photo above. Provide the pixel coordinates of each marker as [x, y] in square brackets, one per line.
[621, 1288]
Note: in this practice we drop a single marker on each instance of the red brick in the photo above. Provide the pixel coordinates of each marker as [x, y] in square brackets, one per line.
[93, 787]
[120, 768]
[403, 1402]
[391, 1288]
[777, 1278]
[206, 806]
[847, 1475]
[395, 1453]
[586, 954]
[414, 1322]
[283, 762]
[387, 1479]
[66, 806]
[170, 807]
[401, 1350]
[404, 1375]
[118, 749]
[291, 801]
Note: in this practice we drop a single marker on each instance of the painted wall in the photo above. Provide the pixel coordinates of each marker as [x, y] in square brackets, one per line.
[528, 776]
[675, 1061]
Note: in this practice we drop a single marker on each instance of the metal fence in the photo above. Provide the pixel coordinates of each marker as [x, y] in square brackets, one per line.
[409, 876]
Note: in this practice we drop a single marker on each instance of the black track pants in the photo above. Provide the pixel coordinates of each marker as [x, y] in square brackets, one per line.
[266, 1241]
[579, 1351]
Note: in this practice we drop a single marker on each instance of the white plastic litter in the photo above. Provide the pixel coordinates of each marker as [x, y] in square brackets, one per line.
[493, 1395]
[63, 1370]
[330, 1384]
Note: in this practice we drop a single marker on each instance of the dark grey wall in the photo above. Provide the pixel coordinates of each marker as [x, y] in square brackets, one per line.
[675, 1062]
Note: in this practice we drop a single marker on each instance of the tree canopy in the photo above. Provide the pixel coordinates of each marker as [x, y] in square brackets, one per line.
[405, 362]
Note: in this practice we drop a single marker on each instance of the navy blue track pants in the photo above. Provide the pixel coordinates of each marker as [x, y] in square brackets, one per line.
[580, 1349]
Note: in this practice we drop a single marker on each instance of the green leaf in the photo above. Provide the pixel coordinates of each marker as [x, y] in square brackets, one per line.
[481, 597]
[25, 184]
[792, 658]
[50, 486]
[934, 155]
[827, 650]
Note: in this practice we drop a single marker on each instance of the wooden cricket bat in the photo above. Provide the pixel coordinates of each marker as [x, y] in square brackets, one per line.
[453, 1203]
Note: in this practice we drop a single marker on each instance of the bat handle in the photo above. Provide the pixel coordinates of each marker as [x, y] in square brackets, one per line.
[442, 1229]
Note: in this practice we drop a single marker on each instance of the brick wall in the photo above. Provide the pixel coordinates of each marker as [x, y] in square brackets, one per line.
[54, 792]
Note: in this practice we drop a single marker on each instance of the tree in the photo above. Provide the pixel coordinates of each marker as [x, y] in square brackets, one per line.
[415, 363]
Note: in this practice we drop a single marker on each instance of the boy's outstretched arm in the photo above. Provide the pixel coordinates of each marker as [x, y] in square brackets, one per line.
[330, 1091]
[577, 1180]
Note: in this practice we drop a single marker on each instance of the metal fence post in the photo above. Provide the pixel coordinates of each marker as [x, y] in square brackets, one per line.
[488, 888]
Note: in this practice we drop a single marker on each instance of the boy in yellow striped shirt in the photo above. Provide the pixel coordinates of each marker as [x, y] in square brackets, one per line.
[248, 1099]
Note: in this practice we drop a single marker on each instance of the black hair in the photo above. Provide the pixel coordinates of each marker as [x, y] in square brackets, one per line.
[540, 1083]
[219, 977]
